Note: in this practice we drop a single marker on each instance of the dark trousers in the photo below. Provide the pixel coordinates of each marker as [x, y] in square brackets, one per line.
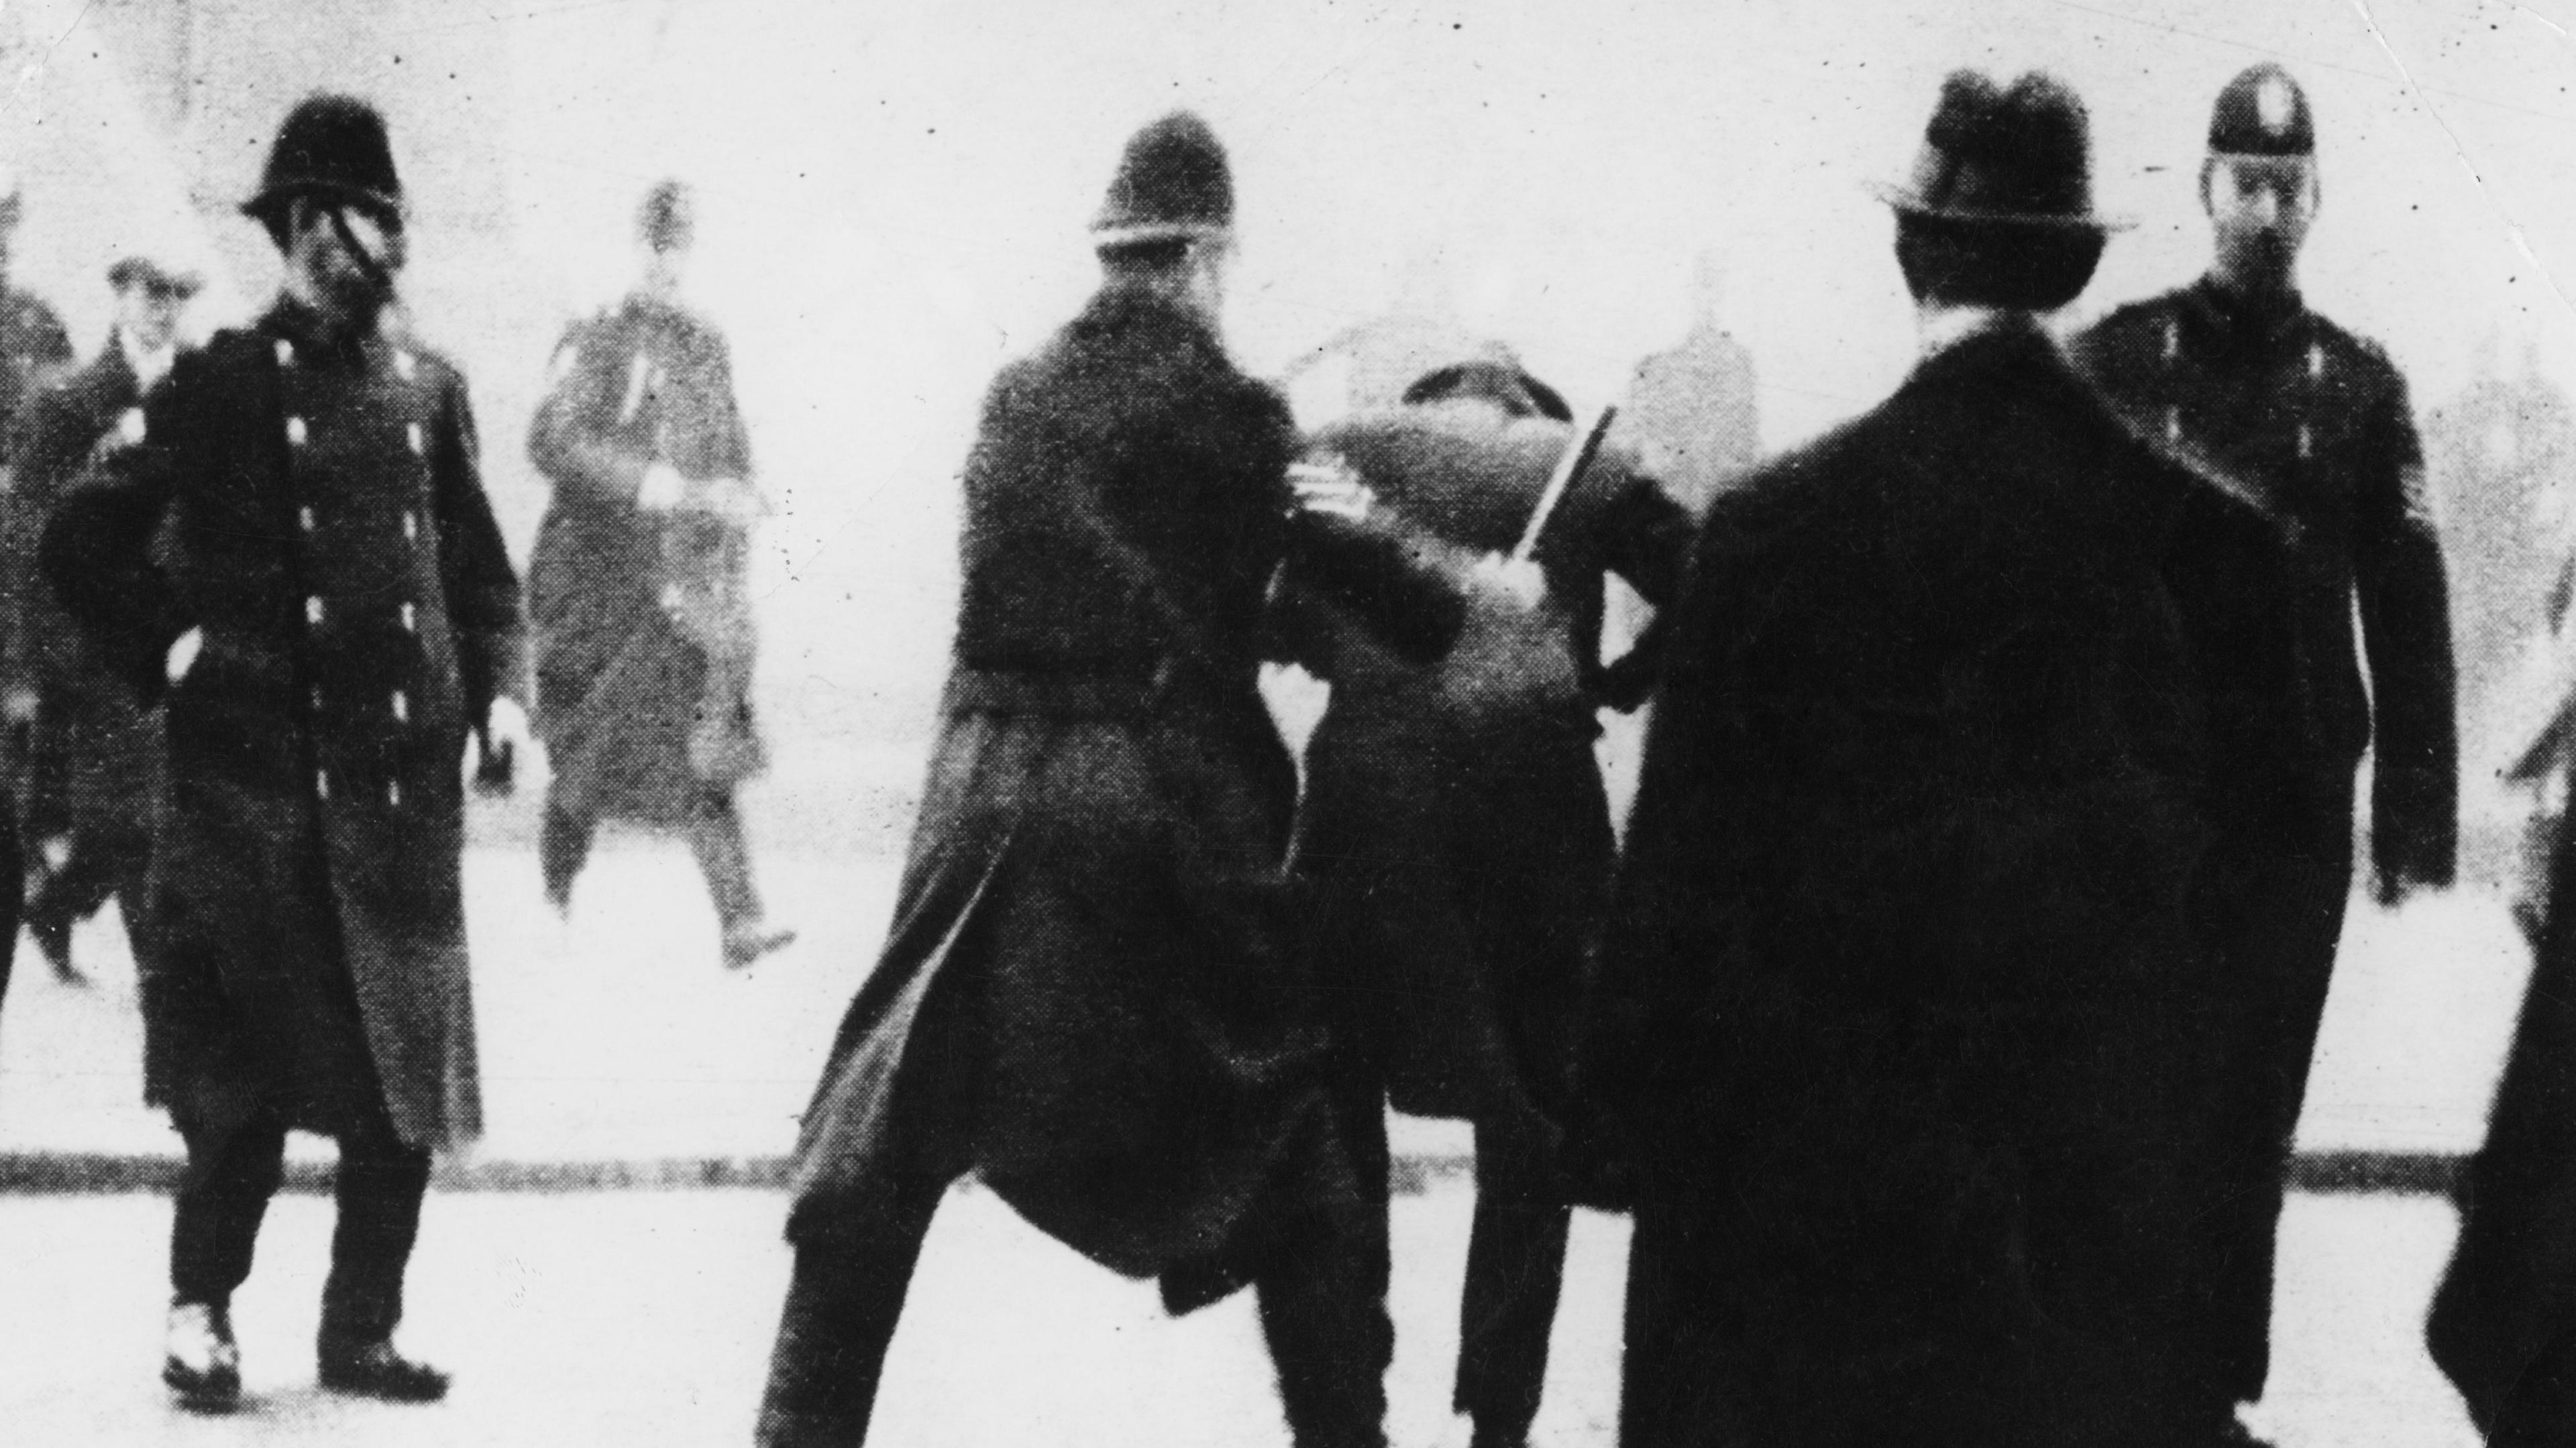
[1515, 1271]
[2279, 952]
[713, 830]
[231, 1176]
[1318, 1268]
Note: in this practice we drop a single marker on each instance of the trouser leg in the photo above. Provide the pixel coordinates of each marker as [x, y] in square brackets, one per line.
[1678, 1371]
[233, 1170]
[379, 1189]
[715, 837]
[563, 847]
[1515, 1270]
[844, 1297]
[1322, 1280]
[2285, 956]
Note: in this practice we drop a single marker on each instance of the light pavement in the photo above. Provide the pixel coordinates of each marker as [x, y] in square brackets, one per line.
[643, 1318]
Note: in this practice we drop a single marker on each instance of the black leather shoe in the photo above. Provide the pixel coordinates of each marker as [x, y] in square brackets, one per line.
[375, 1370]
[199, 1361]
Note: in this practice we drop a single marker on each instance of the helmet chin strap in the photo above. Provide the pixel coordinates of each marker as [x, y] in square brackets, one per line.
[359, 251]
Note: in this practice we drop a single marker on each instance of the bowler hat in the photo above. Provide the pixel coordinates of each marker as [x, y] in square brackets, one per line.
[1173, 184]
[335, 146]
[144, 272]
[2019, 157]
[2263, 112]
[1503, 383]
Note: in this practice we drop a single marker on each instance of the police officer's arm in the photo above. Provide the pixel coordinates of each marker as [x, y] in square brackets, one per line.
[2406, 630]
[96, 550]
[44, 444]
[474, 565]
[1646, 539]
[566, 439]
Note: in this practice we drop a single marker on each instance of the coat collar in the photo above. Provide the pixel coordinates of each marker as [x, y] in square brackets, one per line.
[2235, 319]
[1139, 316]
[315, 341]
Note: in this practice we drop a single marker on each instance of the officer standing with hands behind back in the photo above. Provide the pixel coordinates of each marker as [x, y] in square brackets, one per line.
[298, 556]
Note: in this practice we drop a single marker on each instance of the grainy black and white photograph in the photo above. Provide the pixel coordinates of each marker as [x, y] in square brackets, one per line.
[1319, 724]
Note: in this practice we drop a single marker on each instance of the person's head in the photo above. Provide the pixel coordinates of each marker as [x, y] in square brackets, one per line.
[149, 300]
[1167, 223]
[332, 202]
[1999, 213]
[2259, 185]
[666, 230]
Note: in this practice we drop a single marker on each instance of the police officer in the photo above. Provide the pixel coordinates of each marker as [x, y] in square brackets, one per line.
[33, 345]
[1457, 833]
[2236, 371]
[92, 757]
[1093, 996]
[638, 591]
[297, 555]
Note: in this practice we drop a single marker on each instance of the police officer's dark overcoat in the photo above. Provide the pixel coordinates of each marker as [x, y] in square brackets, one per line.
[618, 686]
[1092, 993]
[312, 506]
[94, 755]
[1461, 855]
[1897, 1015]
[2314, 423]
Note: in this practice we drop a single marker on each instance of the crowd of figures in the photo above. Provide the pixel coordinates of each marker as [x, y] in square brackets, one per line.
[1943, 1023]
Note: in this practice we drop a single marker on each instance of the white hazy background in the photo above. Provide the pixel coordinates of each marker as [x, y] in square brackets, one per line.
[893, 201]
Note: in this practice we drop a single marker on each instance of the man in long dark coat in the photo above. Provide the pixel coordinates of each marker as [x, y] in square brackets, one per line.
[2235, 369]
[2503, 1322]
[1092, 995]
[33, 345]
[1457, 833]
[636, 594]
[93, 755]
[1899, 1006]
[297, 558]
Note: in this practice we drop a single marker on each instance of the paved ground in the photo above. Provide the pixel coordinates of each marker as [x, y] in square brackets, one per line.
[643, 1318]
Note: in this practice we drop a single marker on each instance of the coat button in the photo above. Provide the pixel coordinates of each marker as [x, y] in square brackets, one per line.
[313, 609]
[2316, 360]
[317, 696]
[304, 517]
[129, 426]
[402, 708]
[321, 784]
[393, 792]
[411, 526]
[2173, 424]
[404, 366]
[2303, 439]
[285, 353]
[295, 431]
[411, 434]
[411, 619]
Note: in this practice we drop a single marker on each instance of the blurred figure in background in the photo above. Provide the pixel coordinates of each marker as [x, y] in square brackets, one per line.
[1456, 833]
[638, 590]
[93, 755]
[33, 345]
[2234, 369]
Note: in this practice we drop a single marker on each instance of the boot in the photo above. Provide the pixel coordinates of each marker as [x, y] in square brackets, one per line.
[376, 1370]
[200, 1362]
[748, 940]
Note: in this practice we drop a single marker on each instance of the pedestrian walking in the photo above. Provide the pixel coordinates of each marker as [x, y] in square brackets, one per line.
[93, 754]
[2235, 369]
[1456, 833]
[1897, 1013]
[296, 558]
[1094, 994]
[639, 591]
